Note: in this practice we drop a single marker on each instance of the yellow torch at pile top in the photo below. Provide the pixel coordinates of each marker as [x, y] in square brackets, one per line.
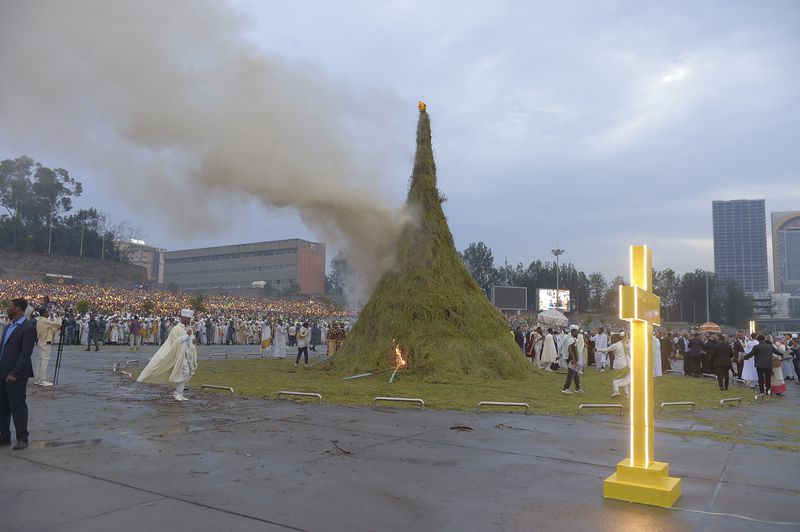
[640, 478]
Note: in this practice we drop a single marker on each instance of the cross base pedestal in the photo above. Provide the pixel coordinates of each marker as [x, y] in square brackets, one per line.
[651, 486]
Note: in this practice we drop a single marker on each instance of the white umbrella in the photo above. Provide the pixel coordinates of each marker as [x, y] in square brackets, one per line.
[552, 318]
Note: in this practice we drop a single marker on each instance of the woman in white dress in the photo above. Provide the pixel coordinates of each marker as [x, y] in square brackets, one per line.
[787, 365]
[113, 335]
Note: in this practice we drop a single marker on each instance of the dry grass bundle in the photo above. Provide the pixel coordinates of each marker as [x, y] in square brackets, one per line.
[429, 302]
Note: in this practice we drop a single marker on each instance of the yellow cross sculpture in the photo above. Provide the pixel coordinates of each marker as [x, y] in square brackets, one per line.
[640, 478]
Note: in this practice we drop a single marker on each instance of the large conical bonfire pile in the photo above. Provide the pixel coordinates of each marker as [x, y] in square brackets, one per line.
[442, 322]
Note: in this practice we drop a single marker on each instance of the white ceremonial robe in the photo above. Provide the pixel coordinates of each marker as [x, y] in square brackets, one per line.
[279, 349]
[656, 354]
[582, 349]
[167, 365]
[549, 353]
[84, 338]
[600, 357]
[46, 330]
[749, 372]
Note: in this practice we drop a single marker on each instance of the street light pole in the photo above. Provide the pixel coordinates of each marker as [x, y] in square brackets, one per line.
[708, 309]
[557, 252]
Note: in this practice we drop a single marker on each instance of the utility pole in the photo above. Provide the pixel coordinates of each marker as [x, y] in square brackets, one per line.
[708, 308]
[557, 252]
[81, 252]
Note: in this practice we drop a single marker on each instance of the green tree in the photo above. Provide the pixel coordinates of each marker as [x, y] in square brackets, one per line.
[597, 291]
[611, 298]
[53, 191]
[269, 290]
[292, 290]
[736, 304]
[479, 261]
[15, 191]
[82, 306]
[666, 285]
[336, 281]
[198, 302]
[82, 234]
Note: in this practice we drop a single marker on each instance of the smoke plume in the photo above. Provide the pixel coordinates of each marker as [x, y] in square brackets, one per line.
[171, 102]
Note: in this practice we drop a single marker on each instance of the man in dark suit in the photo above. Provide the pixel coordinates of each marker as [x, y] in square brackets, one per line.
[94, 334]
[691, 360]
[763, 353]
[16, 346]
[721, 353]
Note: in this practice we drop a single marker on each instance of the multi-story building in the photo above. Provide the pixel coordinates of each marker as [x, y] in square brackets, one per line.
[786, 251]
[740, 243]
[771, 305]
[245, 269]
[139, 253]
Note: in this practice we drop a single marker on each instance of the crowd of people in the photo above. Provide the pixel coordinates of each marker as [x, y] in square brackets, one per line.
[111, 301]
[119, 317]
[756, 360]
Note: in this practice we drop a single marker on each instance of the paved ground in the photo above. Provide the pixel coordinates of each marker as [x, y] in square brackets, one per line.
[109, 454]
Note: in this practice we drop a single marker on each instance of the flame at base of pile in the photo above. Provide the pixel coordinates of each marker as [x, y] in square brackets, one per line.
[400, 362]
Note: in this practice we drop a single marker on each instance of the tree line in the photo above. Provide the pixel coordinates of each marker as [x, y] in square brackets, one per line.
[683, 297]
[36, 205]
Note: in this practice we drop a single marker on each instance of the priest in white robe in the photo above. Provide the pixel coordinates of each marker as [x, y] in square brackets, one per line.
[176, 361]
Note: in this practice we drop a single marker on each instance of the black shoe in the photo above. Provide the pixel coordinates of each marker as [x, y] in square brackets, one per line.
[5, 439]
[21, 444]
[98, 349]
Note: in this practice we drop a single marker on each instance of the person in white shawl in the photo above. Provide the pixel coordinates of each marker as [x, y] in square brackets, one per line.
[583, 350]
[279, 348]
[656, 354]
[176, 361]
[549, 352]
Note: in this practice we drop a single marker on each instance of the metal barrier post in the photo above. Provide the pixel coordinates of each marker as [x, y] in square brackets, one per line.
[420, 402]
[677, 403]
[299, 394]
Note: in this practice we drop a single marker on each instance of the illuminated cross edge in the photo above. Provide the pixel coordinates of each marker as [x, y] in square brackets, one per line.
[642, 309]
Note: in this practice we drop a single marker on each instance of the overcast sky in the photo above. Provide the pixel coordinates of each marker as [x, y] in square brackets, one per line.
[583, 125]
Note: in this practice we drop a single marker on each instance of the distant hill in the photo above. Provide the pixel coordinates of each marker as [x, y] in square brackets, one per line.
[35, 267]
